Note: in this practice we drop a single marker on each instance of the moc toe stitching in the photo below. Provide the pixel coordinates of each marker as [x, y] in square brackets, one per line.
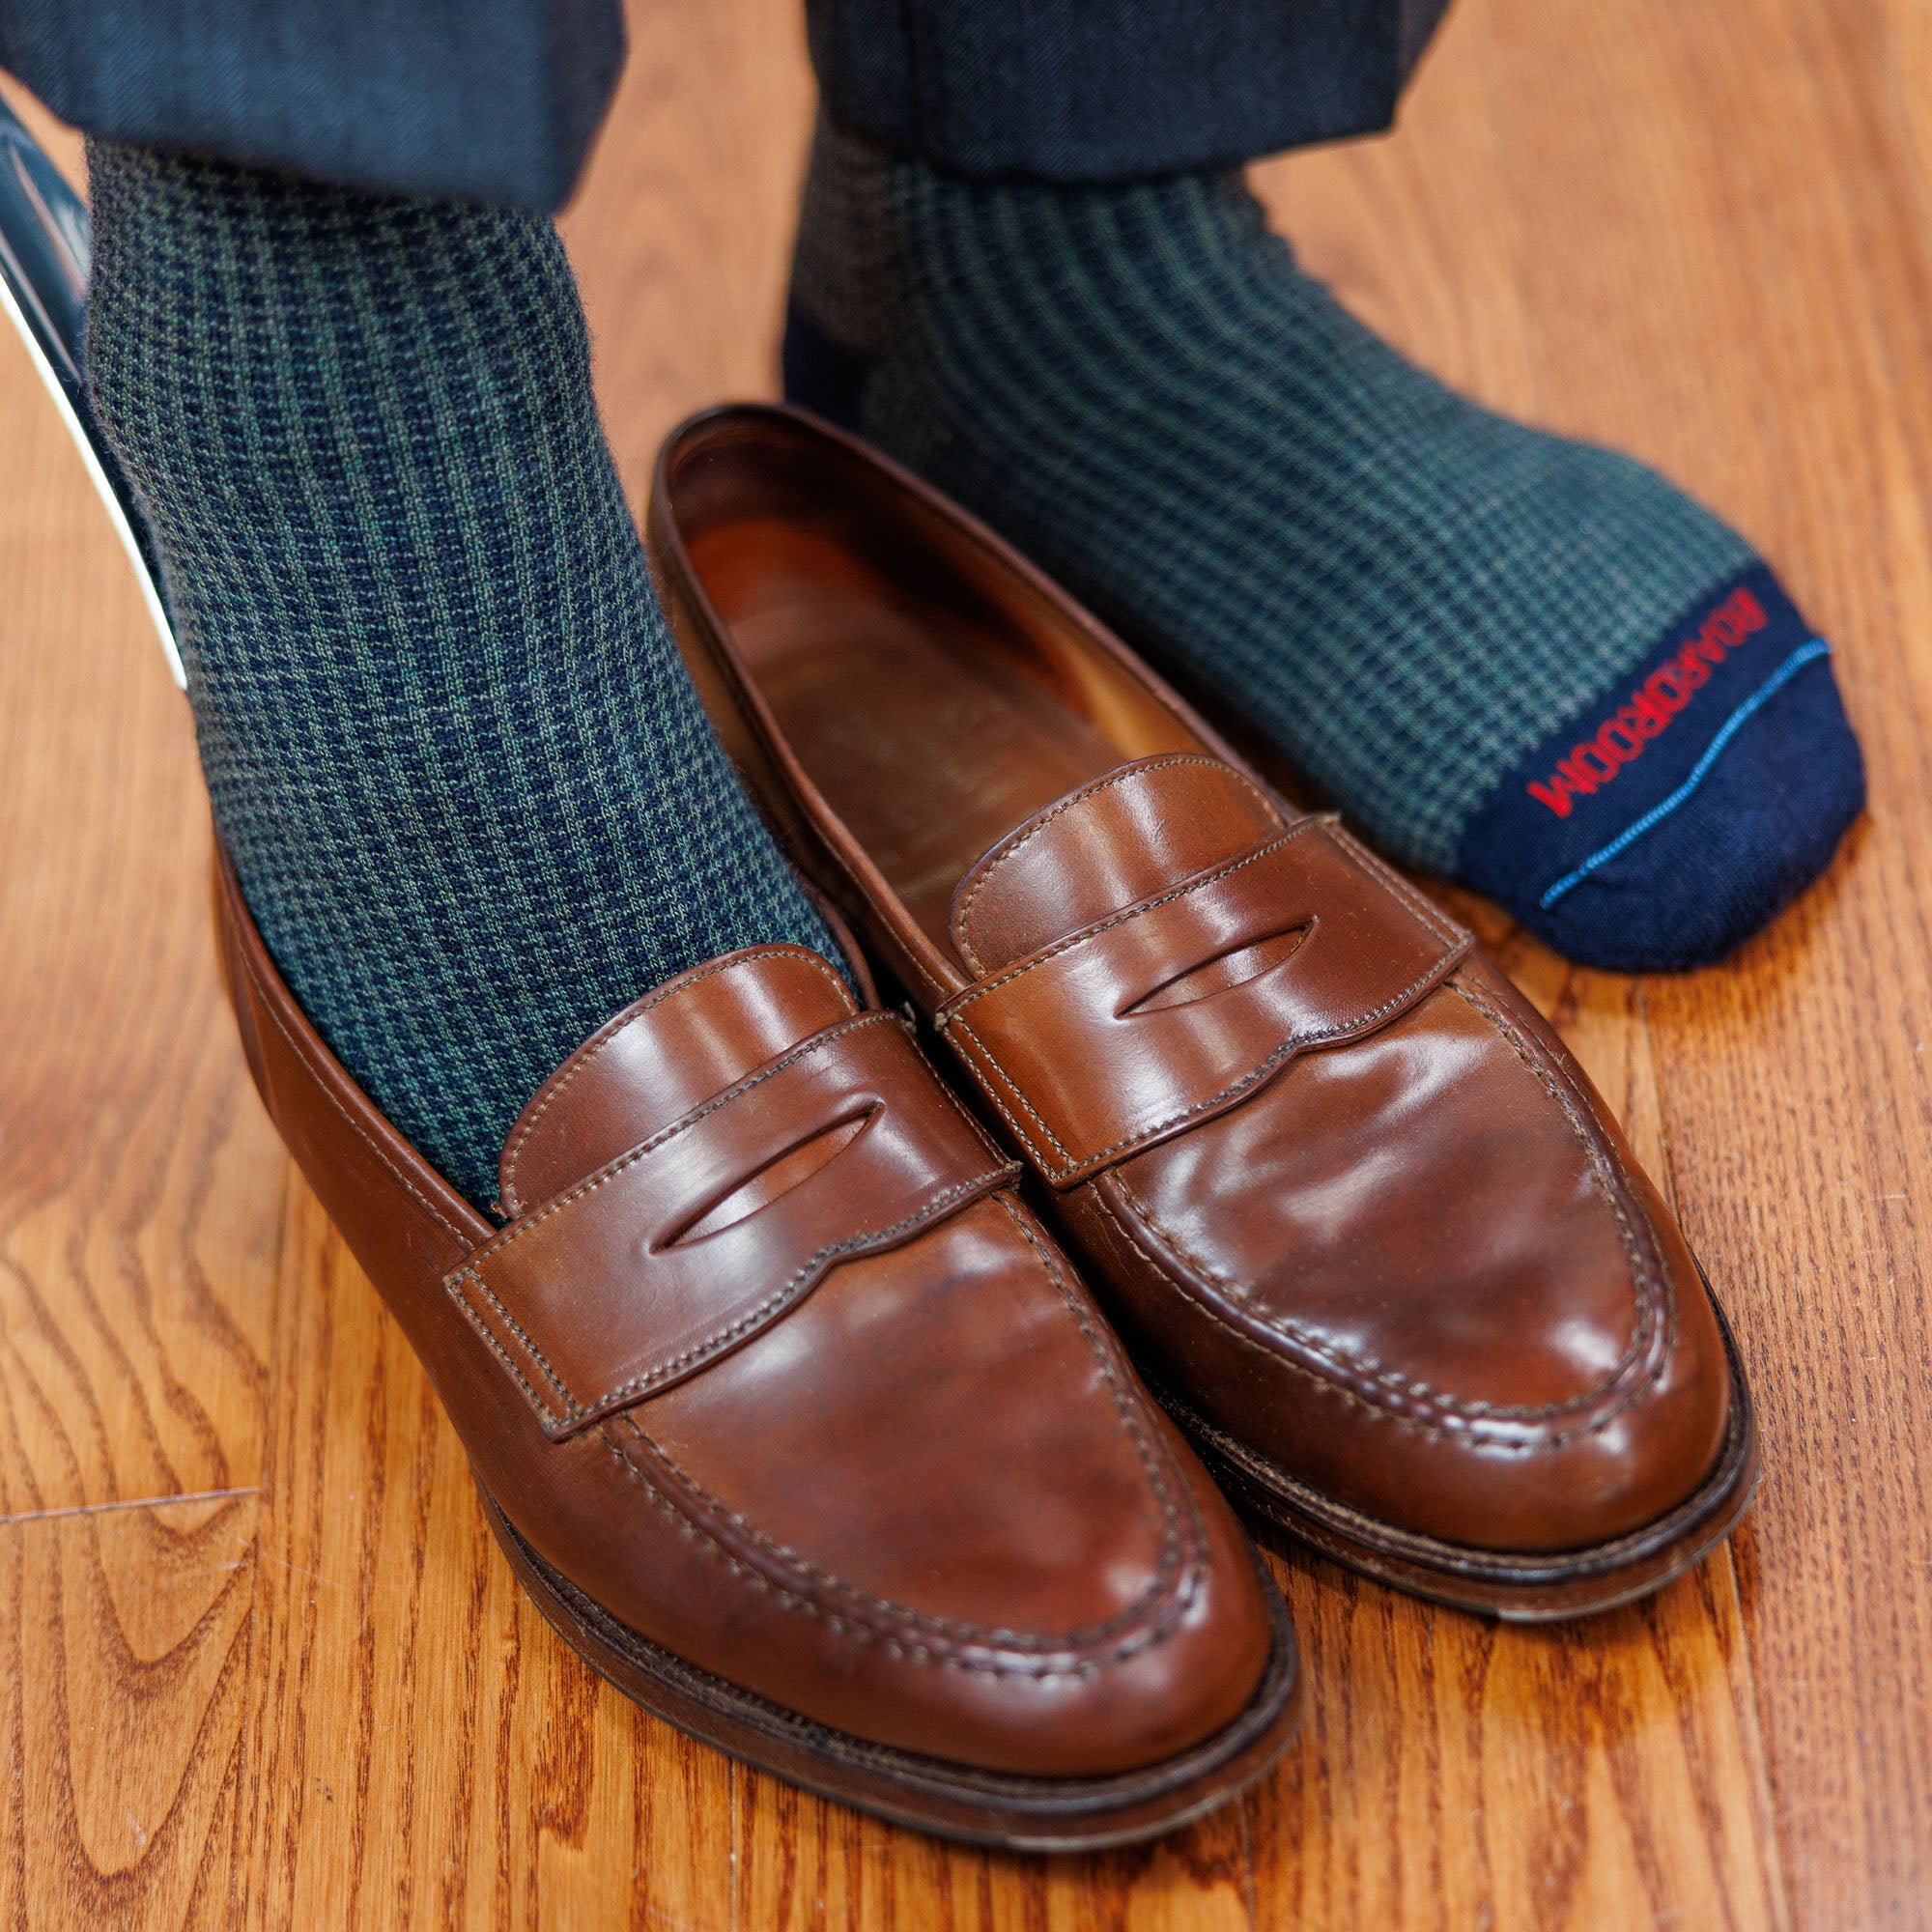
[1643, 1364]
[1170, 1593]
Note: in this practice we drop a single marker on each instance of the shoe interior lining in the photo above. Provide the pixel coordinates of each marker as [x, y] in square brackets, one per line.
[932, 707]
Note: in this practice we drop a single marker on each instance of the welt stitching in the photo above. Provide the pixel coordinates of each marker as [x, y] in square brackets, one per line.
[1378, 1411]
[354, 1125]
[1086, 792]
[662, 993]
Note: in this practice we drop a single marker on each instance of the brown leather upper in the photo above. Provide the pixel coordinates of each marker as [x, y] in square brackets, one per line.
[1348, 1197]
[661, 1260]
[1097, 1029]
[770, 1362]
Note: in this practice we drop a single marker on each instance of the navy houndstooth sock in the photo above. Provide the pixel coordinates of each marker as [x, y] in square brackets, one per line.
[1521, 662]
[469, 790]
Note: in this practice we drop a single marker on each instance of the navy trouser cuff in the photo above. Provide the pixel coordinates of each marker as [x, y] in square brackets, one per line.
[1082, 91]
[498, 100]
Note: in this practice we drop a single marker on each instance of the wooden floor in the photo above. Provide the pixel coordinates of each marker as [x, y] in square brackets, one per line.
[259, 1661]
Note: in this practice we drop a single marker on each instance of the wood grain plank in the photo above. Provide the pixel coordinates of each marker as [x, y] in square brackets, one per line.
[1457, 1772]
[1902, 84]
[423, 1750]
[805, 1864]
[138, 1220]
[1703, 232]
[136, 1212]
[122, 1656]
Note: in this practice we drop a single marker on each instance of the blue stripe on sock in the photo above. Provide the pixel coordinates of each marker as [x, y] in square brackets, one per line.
[1804, 654]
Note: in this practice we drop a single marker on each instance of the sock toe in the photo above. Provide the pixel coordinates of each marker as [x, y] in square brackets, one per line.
[1761, 827]
[1665, 828]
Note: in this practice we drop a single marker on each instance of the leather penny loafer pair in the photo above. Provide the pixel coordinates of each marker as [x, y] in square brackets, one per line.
[1363, 1223]
[781, 1391]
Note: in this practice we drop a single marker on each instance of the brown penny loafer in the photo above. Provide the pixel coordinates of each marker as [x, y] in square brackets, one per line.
[1365, 1225]
[796, 1423]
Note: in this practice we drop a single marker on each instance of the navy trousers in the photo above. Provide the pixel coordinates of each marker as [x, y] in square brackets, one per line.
[498, 100]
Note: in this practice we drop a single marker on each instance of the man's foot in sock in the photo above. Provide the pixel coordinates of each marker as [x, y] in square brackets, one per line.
[470, 794]
[1523, 663]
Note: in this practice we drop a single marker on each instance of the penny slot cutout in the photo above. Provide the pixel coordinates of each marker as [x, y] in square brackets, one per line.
[779, 1177]
[1246, 960]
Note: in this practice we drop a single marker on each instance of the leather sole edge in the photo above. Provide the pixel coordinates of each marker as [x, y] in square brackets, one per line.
[980, 1808]
[1518, 1587]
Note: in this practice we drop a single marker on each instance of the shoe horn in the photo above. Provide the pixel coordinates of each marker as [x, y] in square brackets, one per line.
[44, 248]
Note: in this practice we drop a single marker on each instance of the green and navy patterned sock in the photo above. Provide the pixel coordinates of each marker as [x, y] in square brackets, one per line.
[1523, 663]
[471, 797]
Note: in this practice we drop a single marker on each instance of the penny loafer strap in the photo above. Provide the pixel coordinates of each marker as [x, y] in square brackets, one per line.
[682, 1249]
[1143, 1024]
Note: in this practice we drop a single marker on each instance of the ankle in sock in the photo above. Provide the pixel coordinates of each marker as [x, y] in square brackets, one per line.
[1527, 663]
[471, 797]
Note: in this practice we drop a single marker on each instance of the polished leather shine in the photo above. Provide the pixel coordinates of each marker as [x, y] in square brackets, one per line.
[768, 1367]
[1359, 1214]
